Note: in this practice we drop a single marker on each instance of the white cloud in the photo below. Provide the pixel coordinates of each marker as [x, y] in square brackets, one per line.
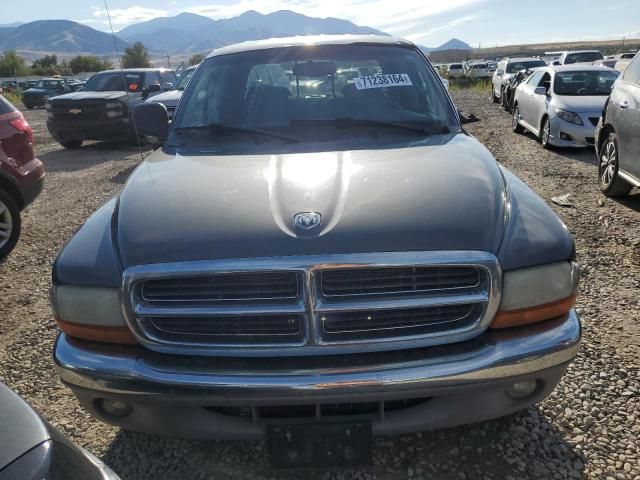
[125, 16]
[451, 24]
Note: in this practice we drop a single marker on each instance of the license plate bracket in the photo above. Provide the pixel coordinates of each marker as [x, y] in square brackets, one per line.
[320, 445]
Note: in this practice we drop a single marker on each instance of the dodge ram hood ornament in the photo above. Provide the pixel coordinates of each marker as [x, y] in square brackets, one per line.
[307, 220]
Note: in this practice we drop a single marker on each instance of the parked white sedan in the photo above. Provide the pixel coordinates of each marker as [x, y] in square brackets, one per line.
[562, 105]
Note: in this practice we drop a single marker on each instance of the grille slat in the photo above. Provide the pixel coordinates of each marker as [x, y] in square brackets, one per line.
[372, 323]
[223, 287]
[229, 328]
[385, 280]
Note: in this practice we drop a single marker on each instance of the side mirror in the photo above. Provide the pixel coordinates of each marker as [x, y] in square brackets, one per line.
[540, 91]
[152, 119]
[168, 86]
[555, 62]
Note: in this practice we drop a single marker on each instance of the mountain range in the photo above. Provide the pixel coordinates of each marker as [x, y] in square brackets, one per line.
[182, 34]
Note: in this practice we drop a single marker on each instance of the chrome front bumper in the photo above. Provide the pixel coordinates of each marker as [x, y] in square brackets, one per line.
[144, 375]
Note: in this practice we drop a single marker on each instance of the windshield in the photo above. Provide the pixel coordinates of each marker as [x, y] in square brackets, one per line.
[513, 67]
[114, 82]
[585, 83]
[455, 66]
[320, 94]
[47, 84]
[583, 57]
[184, 78]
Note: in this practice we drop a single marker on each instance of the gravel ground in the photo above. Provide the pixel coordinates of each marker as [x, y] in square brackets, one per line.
[588, 428]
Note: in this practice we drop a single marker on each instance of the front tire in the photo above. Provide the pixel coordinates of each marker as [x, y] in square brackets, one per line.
[494, 99]
[545, 133]
[515, 121]
[10, 224]
[609, 181]
[71, 144]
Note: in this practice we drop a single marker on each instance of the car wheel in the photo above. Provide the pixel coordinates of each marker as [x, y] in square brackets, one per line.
[71, 144]
[609, 181]
[9, 224]
[504, 99]
[545, 133]
[515, 121]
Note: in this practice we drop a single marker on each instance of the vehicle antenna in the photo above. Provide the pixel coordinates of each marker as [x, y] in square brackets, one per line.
[124, 77]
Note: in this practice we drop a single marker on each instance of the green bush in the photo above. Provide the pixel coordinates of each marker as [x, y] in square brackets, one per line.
[14, 97]
[466, 83]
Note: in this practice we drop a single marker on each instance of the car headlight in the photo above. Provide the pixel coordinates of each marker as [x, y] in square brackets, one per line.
[114, 113]
[90, 313]
[569, 116]
[535, 294]
[113, 105]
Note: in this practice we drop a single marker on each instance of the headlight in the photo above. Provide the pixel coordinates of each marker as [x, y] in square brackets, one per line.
[114, 113]
[569, 117]
[90, 313]
[538, 293]
[113, 105]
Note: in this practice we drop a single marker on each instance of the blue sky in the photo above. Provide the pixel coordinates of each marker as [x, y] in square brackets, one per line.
[428, 22]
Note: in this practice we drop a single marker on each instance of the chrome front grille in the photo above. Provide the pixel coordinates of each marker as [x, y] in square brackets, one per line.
[312, 305]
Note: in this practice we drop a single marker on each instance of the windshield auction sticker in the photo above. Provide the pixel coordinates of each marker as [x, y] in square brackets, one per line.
[382, 81]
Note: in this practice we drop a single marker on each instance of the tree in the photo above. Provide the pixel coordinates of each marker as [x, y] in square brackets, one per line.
[89, 63]
[47, 65]
[136, 56]
[12, 65]
[196, 59]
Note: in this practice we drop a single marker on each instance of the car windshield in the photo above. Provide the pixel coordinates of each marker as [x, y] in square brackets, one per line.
[590, 82]
[455, 66]
[513, 67]
[184, 78]
[47, 84]
[583, 57]
[114, 82]
[319, 94]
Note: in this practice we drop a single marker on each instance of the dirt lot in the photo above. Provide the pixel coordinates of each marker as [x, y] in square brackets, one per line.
[589, 428]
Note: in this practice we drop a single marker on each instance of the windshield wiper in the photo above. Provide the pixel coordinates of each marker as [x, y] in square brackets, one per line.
[222, 128]
[427, 128]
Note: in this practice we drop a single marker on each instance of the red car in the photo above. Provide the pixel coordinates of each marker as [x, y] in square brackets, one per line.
[21, 173]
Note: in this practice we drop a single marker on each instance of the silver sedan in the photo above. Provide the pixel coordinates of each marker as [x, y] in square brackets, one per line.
[562, 105]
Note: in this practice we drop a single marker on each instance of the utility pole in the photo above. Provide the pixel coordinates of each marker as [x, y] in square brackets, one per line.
[623, 39]
[169, 60]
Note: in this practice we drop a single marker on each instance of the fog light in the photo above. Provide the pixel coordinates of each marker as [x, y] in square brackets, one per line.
[523, 389]
[115, 408]
[566, 136]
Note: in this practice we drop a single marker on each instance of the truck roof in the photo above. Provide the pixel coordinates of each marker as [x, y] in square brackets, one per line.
[308, 41]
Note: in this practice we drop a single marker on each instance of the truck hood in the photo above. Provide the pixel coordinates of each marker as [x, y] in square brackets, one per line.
[92, 96]
[169, 98]
[444, 195]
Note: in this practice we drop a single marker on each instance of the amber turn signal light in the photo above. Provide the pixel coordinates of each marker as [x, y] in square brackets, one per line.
[98, 333]
[535, 314]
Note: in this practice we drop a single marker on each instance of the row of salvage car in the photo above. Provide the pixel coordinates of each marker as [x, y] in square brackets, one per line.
[578, 105]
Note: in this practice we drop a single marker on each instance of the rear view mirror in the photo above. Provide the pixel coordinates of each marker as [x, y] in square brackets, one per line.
[540, 91]
[314, 69]
[152, 119]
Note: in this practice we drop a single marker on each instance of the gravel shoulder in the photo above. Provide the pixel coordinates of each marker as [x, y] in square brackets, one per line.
[588, 428]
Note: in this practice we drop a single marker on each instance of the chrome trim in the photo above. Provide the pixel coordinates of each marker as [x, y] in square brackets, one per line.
[422, 302]
[495, 355]
[311, 301]
[627, 177]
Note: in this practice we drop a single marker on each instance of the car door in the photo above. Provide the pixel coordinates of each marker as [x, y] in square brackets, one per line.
[497, 79]
[540, 103]
[526, 100]
[624, 111]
